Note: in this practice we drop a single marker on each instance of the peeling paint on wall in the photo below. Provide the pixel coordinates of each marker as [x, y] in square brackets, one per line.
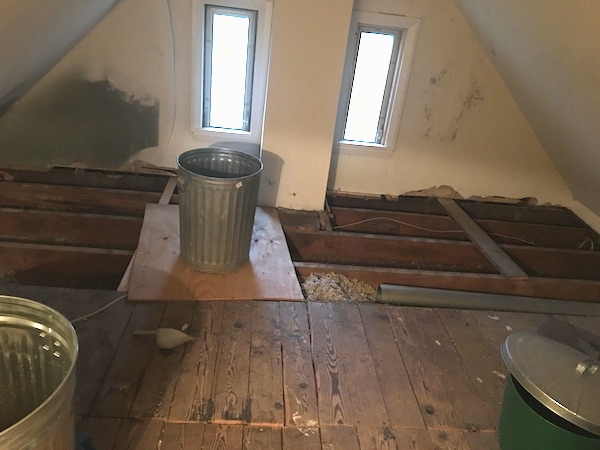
[449, 132]
[76, 121]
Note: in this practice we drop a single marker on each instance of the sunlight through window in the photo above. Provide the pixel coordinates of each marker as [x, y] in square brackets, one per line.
[363, 123]
[228, 69]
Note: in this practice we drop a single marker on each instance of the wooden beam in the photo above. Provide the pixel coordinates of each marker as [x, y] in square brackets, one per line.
[522, 213]
[494, 253]
[436, 254]
[56, 265]
[100, 178]
[565, 289]
[444, 227]
[396, 223]
[386, 251]
[548, 215]
[56, 227]
[75, 198]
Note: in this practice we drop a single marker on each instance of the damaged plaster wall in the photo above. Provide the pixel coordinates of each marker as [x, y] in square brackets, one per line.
[77, 122]
[460, 126]
[90, 109]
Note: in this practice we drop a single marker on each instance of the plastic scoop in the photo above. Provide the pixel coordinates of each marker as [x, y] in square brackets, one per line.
[167, 338]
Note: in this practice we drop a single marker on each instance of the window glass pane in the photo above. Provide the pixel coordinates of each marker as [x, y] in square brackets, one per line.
[229, 71]
[368, 87]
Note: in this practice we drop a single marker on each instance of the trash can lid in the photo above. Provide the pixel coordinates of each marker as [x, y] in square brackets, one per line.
[563, 379]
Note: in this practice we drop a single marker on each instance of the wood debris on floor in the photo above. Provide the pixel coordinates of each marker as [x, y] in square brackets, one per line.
[293, 375]
[336, 287]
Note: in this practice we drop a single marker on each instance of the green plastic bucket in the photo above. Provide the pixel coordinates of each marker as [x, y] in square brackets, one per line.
[550, 397]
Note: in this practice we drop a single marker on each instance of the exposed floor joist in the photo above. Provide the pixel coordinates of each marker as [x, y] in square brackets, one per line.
[551, 253]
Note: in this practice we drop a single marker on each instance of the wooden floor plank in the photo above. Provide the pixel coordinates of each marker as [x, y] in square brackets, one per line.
[136, 434]
[118, 389]
[182, 436]
[480, 356]
[155, 394]
[339, 437]
[486, 440]
[350, 392]
[466, 402]
[159, 274]
[193, 398]
[266, 367]
[384, 438]
[334, 398]
[223, 437]
[432, 395]
[259, 438]
[301, 438]
[103, 431]
[300, 391]
[231, 397]
[449, 440]
[97, 346]
[400, 401]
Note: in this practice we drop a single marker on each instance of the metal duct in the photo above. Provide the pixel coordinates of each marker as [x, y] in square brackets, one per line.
[442, 298]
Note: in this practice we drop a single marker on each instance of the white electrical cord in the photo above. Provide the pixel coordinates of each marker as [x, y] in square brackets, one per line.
[98, 311]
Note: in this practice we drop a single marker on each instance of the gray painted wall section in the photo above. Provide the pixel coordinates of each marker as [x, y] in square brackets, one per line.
[36, 34]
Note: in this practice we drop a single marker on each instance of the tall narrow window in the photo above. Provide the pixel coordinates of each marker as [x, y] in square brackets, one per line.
[231, 49]
[378, 57]
[228, 67]
[371, 85]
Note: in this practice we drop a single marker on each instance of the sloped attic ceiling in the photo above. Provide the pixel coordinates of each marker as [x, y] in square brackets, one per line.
[36, 34]
[547, 53]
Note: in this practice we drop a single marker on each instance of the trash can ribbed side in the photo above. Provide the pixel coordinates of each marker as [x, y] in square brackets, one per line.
[38, 352]
[218, 196]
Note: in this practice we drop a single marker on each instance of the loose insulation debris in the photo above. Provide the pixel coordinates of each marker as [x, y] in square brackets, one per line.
[337, 287]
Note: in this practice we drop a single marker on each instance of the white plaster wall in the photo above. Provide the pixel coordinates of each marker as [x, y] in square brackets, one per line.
[460, 126]
[144, 48]
[307, 57]
[547, 54]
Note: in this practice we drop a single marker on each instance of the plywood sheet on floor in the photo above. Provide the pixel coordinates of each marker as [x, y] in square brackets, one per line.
[159, 274]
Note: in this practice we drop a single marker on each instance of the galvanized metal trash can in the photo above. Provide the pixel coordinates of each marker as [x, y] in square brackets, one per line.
[551, 398]
[37, 376]
[218, 193]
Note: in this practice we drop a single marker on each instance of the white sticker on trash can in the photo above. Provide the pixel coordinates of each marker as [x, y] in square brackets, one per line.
[238, 184]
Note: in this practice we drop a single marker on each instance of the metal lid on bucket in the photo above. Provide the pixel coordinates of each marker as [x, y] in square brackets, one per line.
[563, 379]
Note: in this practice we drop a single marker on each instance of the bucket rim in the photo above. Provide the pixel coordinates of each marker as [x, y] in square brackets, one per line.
[219, 150]
[40, 410]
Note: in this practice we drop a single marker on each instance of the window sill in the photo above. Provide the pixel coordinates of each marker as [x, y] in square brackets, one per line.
[213, 134]
[357, 149]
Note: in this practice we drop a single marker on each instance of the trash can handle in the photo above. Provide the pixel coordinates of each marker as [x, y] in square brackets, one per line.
[180, 184]
[587, 367]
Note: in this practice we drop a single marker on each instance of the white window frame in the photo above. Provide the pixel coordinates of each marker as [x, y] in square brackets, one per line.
[261, 60]
[408, 28]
